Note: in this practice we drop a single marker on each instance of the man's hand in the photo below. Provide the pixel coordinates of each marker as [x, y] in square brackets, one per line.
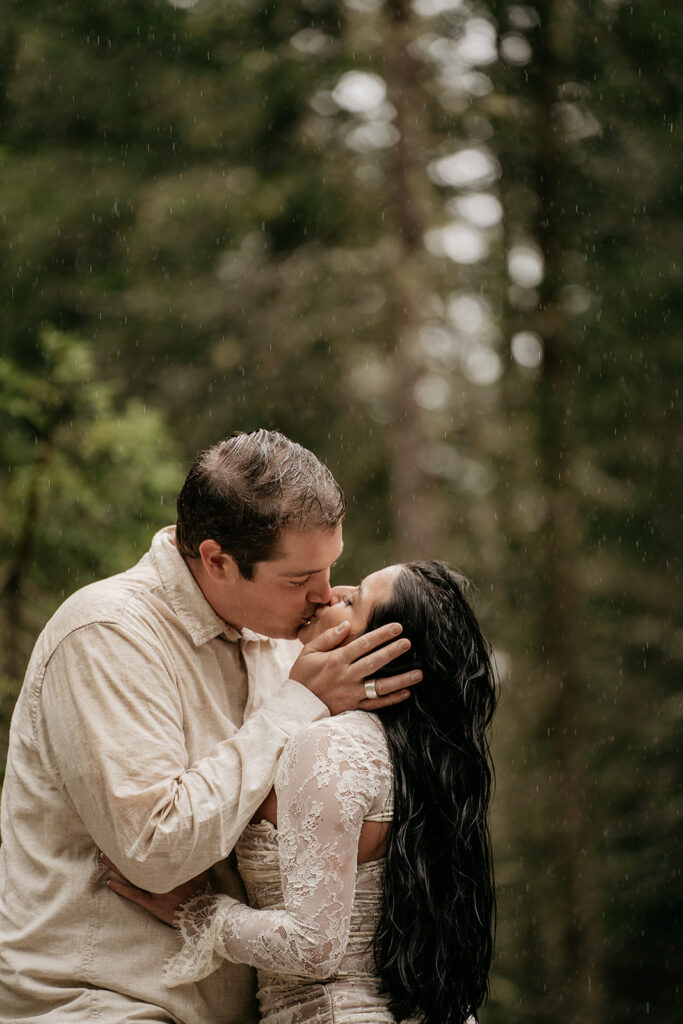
[336, 675]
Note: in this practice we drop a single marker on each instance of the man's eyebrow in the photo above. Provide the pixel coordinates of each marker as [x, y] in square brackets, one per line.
[310, 572]
[302, 572]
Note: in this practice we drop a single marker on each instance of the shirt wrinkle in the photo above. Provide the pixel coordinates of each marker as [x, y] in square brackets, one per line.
[148, 737]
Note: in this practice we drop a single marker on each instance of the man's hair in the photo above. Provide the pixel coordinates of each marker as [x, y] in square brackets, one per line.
[244, 491]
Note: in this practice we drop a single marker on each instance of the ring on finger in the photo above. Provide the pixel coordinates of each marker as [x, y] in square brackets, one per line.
[370, 689]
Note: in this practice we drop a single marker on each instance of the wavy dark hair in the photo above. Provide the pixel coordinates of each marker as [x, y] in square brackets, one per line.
[434, 940]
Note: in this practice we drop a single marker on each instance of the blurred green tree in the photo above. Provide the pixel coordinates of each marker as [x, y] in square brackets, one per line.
[85, 475]
[589, 193]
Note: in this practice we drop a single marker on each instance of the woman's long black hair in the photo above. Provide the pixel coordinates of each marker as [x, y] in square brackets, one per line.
[434, 940]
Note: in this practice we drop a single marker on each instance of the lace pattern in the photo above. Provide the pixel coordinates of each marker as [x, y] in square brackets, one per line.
[331, 776]
[313, 910]
[199, 921]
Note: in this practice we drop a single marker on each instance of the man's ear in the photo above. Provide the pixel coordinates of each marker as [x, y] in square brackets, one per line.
[218, 565]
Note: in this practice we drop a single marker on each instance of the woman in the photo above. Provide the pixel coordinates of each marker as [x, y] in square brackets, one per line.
[372, 901]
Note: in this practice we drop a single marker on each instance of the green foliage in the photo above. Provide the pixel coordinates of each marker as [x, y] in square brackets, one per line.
[84, 481]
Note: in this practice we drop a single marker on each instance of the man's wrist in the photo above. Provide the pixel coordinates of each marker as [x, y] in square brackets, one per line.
[299, 703]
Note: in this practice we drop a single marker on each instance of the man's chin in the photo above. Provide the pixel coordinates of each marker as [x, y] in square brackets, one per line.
[289, 632]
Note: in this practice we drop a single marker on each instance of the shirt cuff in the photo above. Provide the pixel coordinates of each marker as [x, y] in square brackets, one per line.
[293, 705]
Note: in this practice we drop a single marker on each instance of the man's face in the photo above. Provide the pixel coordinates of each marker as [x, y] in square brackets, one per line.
[286, 591]
[354, 605]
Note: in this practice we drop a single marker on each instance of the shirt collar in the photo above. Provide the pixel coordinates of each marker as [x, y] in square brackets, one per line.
[185, 596]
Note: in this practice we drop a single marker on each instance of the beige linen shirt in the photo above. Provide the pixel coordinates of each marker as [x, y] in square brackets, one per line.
[128, 737]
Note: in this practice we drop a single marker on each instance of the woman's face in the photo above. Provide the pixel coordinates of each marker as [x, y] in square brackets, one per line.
[352, 604]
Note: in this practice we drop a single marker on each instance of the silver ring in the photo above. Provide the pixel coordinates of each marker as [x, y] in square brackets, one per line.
[371, 689]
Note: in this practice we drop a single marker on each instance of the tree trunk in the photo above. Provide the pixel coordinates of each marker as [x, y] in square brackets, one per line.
[578, 967]
[415, 525]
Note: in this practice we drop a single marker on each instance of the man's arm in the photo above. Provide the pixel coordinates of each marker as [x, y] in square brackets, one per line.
[327, 782]
[114, 721]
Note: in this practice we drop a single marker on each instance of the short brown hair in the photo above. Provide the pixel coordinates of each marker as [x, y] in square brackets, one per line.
[244, 491]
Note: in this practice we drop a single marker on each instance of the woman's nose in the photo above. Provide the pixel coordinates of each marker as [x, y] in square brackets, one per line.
[339, 593]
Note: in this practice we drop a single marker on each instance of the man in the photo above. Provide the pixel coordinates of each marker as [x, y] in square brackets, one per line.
[153, 712]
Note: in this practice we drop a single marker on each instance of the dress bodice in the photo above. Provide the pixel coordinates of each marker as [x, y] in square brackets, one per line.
[313, 910]
[352, 995]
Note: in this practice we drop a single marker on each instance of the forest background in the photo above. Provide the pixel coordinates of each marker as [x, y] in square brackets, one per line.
[438, 243]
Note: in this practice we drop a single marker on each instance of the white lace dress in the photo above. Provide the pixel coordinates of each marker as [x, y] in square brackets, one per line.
[313, 909]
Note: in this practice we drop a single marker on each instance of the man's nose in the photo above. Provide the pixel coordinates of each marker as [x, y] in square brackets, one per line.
[320, 591]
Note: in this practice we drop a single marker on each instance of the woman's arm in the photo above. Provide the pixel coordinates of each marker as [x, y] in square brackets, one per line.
[327, 782]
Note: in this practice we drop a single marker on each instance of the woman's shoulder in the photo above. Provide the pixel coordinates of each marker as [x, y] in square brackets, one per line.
[347, 752]
[354, 736]
[351, 728]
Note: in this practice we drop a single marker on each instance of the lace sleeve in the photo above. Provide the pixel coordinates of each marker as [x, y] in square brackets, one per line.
[327, 781]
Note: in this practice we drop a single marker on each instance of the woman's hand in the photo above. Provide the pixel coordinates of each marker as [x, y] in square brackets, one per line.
[162, 905]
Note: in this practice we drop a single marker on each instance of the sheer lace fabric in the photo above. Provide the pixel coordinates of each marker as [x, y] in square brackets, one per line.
[313, 910]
